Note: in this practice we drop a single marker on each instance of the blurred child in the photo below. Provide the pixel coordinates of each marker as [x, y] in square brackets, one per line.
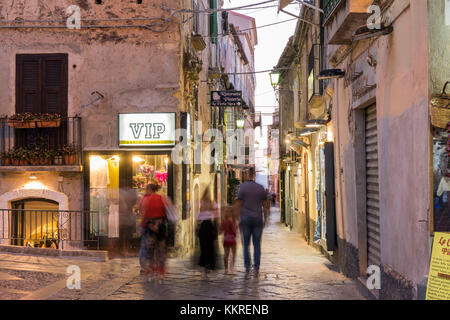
[229, 229]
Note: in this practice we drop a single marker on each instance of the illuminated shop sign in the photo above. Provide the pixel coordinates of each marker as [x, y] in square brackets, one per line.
[146, 129]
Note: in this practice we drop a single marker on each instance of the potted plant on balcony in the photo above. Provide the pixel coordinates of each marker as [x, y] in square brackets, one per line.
[48, 120]
[6, 161]
[22, 120]
[19, 157]
[69, 151]
[59, 157]
[34, 155]
[46, 157]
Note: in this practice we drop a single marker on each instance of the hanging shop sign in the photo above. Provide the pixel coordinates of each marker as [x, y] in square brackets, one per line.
[147, 129]
[438, 287]
[226, 98]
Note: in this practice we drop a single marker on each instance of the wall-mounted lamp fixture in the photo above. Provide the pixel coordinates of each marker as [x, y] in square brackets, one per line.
[331, 74]
[33, 177]
[274, 78]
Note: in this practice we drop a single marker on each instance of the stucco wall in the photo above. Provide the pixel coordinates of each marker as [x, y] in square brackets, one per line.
[403, 133]
[401, 95]
[136, 70]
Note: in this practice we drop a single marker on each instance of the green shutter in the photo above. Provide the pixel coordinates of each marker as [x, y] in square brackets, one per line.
[213, 26]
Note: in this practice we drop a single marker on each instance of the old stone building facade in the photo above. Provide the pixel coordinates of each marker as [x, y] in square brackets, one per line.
[128, 59]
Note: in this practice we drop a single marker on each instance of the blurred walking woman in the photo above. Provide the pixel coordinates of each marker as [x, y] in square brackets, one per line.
[207, 232]
[153, 252]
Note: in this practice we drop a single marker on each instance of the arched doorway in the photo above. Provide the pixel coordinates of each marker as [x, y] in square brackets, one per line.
[34, 200]
[35, 223]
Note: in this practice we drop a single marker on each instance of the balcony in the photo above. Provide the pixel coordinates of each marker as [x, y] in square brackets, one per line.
[343, 17]
[34, 145]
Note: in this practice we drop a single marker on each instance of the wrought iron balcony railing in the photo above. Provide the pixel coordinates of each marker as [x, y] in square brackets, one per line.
[37, 143]
[56, 229]
[328, 7]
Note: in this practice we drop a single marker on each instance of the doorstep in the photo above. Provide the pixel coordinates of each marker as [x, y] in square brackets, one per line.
[56, 168]
[96, 255]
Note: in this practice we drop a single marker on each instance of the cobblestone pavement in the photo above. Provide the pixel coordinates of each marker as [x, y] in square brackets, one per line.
[290, 269]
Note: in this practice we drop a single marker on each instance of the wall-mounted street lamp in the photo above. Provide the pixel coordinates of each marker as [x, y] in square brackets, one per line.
[274, 78]
[331, 74]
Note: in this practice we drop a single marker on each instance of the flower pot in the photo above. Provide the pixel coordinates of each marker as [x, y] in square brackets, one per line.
[23, 162]
[48, 123]
[21, 124]
[15, 162]
[58, 161]
[34, 161]
[6, 162]
[69, 159]
[44, 161]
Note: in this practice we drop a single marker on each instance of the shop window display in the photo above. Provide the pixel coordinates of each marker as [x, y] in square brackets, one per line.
[147, 168]
[104, 195]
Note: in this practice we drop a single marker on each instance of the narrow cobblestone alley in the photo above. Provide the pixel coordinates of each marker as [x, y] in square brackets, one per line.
[289, 270]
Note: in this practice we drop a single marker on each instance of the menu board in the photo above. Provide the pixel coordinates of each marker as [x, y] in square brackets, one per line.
[438, 287]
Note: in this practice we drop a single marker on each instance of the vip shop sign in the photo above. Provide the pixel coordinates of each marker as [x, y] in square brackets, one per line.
[147, 129]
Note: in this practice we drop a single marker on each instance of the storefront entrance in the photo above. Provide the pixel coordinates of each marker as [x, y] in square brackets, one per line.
[110, 179]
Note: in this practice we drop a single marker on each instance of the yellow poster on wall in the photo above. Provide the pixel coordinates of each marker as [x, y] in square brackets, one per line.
[438, 287]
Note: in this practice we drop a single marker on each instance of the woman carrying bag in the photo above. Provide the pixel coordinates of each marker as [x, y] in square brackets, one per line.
[156, 211]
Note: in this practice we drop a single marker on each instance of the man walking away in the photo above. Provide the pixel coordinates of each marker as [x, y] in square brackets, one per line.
[252, 198]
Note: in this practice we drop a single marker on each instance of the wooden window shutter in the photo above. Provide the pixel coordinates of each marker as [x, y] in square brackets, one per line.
[41, 83]
[54, 89]
[28, 84]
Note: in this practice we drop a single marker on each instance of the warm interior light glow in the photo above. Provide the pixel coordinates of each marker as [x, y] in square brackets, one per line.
[33, 177]
[329, 135]
[137, 159]
[166, 160]
[313, 125]
[34, 185]
[116, 158]
[240, 123]
[306, 133]
[287, 141]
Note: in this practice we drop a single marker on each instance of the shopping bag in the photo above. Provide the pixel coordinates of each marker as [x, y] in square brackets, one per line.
[171, 211]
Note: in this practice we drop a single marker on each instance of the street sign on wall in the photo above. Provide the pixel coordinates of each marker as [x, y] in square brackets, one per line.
[226, 98]
[147, 129]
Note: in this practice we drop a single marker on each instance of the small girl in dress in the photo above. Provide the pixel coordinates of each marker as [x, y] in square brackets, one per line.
[229, 229]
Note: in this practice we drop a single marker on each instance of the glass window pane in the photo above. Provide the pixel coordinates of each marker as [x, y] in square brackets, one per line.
[104, 195]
